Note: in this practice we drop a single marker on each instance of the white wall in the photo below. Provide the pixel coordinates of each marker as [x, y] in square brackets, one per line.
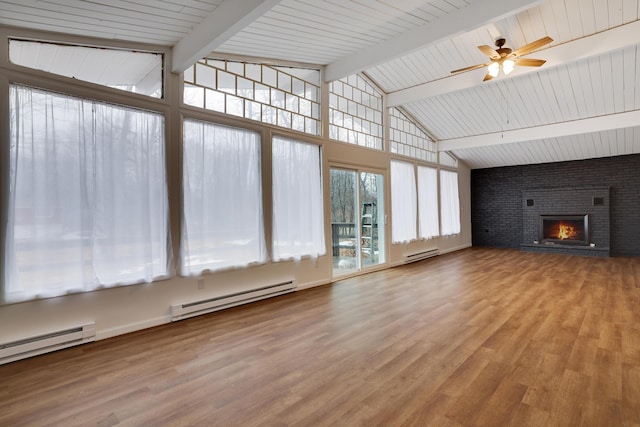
[125, 309]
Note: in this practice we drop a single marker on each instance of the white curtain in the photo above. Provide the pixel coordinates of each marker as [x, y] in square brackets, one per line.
[428, 202]
[88, 199]
[449, 203]
[298, 224]
[222, 221]
[403, 202]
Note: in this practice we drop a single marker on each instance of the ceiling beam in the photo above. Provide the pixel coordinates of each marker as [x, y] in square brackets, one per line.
[596, 44]
[468, 18]
[224, 22]
[555, 130]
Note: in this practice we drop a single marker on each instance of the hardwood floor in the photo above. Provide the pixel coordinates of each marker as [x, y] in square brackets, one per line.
[477, 337]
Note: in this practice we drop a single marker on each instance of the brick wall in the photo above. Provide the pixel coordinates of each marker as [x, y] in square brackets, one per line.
[497, 198]
[568, 201]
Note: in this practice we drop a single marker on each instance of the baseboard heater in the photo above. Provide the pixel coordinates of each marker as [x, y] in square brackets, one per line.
[420, 255]
[33, 346]
[196, 308]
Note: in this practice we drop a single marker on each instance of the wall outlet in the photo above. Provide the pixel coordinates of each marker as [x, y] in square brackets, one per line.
[200, 283]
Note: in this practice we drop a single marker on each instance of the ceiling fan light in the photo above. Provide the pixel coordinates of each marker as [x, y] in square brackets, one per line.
[494, 69]
[507, 66]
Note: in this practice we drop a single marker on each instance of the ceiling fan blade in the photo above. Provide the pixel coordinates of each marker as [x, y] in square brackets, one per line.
[489, 51]
[487, 77]
[473, 67]
[529, 62]
[532, 46]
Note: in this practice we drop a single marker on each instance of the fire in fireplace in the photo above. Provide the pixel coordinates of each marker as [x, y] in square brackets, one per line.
[564, 229]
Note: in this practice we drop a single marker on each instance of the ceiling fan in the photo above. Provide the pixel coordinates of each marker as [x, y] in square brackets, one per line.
[504, 58]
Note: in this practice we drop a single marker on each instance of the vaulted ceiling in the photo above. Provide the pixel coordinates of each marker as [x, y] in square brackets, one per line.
[583, 103]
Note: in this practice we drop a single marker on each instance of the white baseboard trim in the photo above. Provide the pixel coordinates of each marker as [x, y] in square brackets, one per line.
[442, 252]
[132, 327]
[457, 248]
[312, 284]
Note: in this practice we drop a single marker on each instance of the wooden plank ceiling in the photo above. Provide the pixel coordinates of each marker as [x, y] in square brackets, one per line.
[584, 103]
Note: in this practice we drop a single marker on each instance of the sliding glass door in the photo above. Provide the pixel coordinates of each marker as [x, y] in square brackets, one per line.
[372, 238]
[357, 220]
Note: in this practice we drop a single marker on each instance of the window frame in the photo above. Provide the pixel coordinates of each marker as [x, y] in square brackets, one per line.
[320, 212]
[402, 213]
[281, 91]
[350, 108]
[24, 76]
[260, 202]
[6, 178]
[425, 196]
[455, 203]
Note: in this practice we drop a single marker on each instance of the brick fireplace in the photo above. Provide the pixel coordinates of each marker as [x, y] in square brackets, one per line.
[572, 221]
[564, 229]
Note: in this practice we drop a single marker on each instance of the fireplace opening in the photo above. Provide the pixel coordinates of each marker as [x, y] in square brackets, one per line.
[564, 229]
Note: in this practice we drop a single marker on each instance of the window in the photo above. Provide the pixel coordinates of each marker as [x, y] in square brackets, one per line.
[281, 96]
[222, 208]
[298, 224]
[403, 202]
[449, 203]
[448, 159]
[408, 139]
[88, 201]
[428, 202]
[355, 112]
[138, 72]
